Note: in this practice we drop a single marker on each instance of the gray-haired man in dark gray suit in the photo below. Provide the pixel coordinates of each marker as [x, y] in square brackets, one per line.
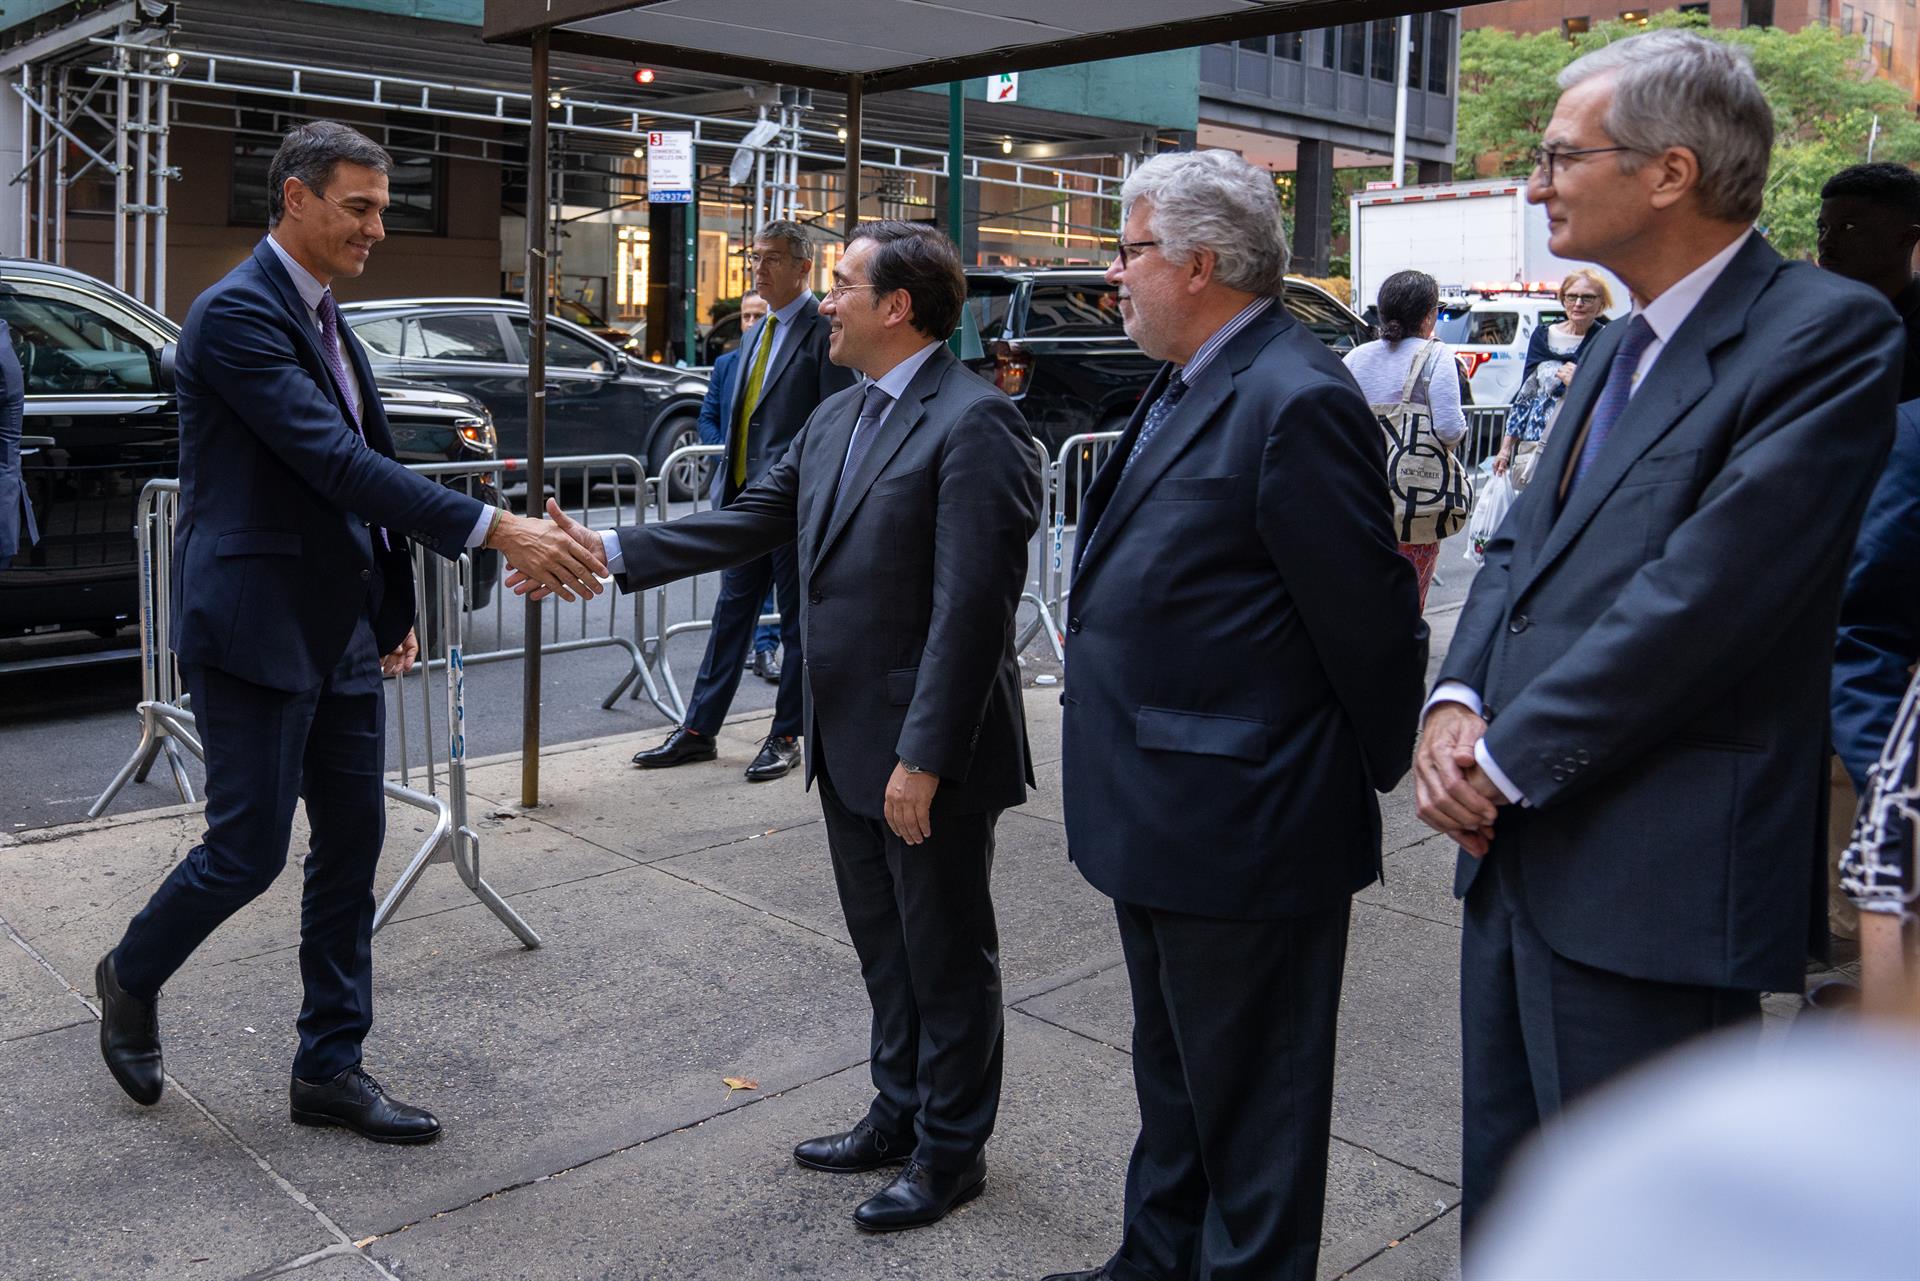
[912, 499]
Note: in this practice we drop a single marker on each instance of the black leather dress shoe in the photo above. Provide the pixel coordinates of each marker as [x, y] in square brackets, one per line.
[1091, 1274]
[766, 665]
[853, 1151]
[919, 1196]
[682, 745]
[355, 1101]
[129, 1036]
[778, 757]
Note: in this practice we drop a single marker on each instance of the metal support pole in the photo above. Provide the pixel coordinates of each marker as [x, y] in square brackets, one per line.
[759, 218]
[26, 149]
[855, 86]
[120, 175]
[142, 172]
[536, 292]
[1405, 33]
[956, 159]
[43, 179]
[159, 299]
[60, 179]
[690, 301]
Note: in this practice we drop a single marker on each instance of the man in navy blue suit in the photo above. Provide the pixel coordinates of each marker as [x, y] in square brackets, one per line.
[292, 580]
[716, 411]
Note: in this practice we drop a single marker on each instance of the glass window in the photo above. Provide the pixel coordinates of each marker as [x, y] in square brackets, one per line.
[461, 336]
[1254, 44]
[1329, 52]
[1417, 54]
[1290, 45]
[1440, 55]
[564, 351]
[1383, 35]
[1074, 311]
[1866, 28]
[413, 184]
[1353, 48]
[1477, 328]
[1701, 9]
[1634, 17]
[68, 348]
[1571, 27]
[383, 335]
[1846, 19]
[990, 298]
[1329, 323]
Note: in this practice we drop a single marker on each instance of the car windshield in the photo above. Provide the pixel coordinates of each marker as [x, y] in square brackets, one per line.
[989, 299]
[1328, 321]
[1464, 326]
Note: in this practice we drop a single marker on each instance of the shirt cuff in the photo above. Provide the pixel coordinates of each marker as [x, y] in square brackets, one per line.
[1494, 772]
[483, 526]
[616, 562]
[1454, 692]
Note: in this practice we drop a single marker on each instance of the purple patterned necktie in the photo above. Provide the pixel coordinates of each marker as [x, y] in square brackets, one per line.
[336, 363]
[1613, 393]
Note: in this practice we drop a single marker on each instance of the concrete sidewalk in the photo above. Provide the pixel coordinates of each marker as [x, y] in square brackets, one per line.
[692, 934]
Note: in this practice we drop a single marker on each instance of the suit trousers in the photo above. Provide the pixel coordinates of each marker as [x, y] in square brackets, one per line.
[266, 748]
[736, 615]
[921, 920]
[1233, 1043]
[1539, 1030]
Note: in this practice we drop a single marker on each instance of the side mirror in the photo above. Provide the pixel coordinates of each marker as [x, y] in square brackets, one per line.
[164, 362]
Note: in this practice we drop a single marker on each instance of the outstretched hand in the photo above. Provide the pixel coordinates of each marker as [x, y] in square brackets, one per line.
[551, 557]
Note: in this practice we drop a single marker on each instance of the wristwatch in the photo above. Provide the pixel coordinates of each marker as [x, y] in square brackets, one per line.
[911, 768]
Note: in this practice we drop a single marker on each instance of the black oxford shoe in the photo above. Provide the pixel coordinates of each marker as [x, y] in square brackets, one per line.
[129, 1036]
[853, 1151]
[778, 758]
[766, 665]
[919, 1196]
[354, 1101]
[682, 745]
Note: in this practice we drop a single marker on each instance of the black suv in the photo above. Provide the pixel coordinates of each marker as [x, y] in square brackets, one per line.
[1051, 338]
[101, 422]
[599, 400]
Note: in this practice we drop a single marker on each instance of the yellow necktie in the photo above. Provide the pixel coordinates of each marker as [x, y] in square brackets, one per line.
[751, 402]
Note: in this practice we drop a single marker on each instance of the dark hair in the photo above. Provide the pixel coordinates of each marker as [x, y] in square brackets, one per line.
[310, 151]
[1407, 298]
[914, 257]
[1893, 187]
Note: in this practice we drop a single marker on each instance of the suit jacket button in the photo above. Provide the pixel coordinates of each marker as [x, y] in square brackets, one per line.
[1519, 624]
[1559, 776]
[1073, 625]
[366, 575]
[814, 598]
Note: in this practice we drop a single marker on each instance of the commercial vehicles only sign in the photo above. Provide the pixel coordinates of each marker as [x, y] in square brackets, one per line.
[670, 168]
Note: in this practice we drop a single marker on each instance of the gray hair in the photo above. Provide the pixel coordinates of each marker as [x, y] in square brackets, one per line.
[1678, 89]
[793, 237]
[1214, 200]
[310, 151]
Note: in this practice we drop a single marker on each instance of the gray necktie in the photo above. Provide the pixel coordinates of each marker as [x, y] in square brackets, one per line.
[872, 410]
[1157, 414]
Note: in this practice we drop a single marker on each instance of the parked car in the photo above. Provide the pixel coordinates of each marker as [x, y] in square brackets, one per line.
[1489, 336]
[599, 400]
[1052, 339]
[97, 366]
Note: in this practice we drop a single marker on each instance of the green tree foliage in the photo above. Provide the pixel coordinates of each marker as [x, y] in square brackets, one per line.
[1820, 84]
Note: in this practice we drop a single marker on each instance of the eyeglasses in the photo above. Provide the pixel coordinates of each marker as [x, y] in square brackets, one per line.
[834, 294]
[1127, 247]
[1589, 299]
[768, 260]
[1545, 158]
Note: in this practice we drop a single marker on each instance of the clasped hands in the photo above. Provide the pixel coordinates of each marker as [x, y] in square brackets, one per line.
[550, 557]
[1454, 794]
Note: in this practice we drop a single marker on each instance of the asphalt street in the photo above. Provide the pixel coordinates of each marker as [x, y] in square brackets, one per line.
[65, 733]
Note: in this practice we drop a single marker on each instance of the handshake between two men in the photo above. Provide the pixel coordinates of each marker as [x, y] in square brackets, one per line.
[550, 557]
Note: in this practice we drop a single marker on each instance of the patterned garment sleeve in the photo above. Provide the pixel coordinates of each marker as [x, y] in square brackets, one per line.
[1877, 871]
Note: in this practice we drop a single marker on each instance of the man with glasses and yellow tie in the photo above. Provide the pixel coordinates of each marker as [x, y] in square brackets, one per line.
[781, 375]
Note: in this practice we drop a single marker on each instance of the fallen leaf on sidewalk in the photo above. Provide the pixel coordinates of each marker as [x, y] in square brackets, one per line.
[739, 1083]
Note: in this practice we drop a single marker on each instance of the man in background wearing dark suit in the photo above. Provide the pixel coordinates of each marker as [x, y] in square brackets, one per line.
[1629, 740]
[292, 579]
[912, 499]
[1227, 801]
[781, 376]
[716, 410]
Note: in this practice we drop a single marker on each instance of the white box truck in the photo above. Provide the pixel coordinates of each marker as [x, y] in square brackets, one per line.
[1487, 248]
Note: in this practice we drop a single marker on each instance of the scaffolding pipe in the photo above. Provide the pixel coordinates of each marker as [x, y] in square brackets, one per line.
[855, 90]
[43, 180]
[160, 214]
[120, 176]
[142, 166]
[60, 180]
[26, 149]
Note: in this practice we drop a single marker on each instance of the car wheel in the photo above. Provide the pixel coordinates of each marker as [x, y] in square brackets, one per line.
[689, 474]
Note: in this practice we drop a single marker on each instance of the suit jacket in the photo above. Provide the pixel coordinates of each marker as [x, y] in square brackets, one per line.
[798, 378]
[1654, 655]
[14, 509]
[1245, 654]
[1880, 609]
[716, 411]
[908, 584]
[276, 553]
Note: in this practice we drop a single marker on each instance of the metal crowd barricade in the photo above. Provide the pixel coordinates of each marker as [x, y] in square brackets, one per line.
[1486, 424]
[1069, 476]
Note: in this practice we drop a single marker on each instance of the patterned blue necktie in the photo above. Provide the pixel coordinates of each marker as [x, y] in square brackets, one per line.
[1157, 415]
[872, 410]
[1614, 393]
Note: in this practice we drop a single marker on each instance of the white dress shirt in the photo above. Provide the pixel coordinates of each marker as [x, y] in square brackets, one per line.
[893, 382]
[1664, 315]
[311, 291]
[786, 316]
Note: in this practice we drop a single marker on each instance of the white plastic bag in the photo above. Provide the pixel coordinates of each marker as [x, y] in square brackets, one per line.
[1489, 509]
